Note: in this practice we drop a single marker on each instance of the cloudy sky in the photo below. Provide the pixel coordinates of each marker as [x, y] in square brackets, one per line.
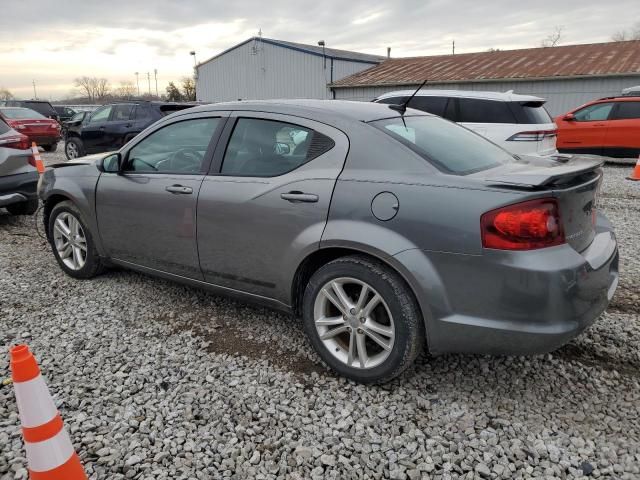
[52, 42]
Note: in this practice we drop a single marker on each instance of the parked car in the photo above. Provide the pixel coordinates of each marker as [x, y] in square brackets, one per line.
[383, 231]
[518, 123]
[64, 113]
[44, 131]
[608, 126]
[111, 126]
[18, 173]
[43, 107]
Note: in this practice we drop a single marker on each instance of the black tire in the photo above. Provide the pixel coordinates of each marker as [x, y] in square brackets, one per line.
[50, 148]
[409, 327]
[23, 208]
[93, 263]
[71, 143]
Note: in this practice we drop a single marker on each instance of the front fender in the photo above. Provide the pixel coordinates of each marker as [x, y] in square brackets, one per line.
[55, 186]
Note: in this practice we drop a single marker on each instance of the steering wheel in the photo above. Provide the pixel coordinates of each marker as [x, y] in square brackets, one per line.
[188, 159]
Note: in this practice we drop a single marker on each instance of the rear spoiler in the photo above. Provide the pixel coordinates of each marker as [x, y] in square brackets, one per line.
[535, 172]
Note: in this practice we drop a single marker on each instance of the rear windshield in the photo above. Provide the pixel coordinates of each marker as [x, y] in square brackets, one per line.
[530, 112]
[449, 147]
[20, 113]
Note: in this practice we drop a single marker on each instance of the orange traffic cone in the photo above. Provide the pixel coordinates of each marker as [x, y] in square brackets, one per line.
[635, 175]
[36, 156]
[50, 454]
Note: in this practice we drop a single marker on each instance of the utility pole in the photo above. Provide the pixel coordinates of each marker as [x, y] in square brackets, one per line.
[138, 82]
[453, 47]
[155, 73]
[149, 81]
[35, 95]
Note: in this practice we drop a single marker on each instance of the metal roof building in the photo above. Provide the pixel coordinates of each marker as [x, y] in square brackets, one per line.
[261, 68]
[567, 76]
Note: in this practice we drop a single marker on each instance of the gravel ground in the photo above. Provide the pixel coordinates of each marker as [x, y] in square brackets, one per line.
[156, 380]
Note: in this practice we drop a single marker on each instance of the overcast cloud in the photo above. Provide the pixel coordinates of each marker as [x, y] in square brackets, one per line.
[52, 42]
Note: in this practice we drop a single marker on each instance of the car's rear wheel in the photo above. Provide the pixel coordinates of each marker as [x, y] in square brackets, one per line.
[72, 243]
[50, 148]
[23, 208]
[362, 319]
[73, 148]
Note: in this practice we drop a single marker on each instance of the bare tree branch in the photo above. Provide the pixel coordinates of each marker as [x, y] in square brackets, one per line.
[554, 38]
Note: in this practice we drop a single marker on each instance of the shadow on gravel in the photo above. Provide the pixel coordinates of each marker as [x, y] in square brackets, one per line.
[592, 358]
[231, 340]
[623, 301]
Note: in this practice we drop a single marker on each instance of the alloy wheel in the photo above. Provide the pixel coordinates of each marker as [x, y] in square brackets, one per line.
[72, 150]
[354, 323]
[70, 241]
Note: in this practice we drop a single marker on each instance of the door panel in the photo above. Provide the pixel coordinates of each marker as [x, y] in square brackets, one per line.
[253, 231]
[93, 131]
[141, 222]
[623, 136]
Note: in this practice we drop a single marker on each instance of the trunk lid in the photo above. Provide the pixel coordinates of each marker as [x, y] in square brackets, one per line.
[34, 126]
[573, 180]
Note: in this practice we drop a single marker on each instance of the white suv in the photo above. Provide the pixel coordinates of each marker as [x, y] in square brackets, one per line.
[518, 123]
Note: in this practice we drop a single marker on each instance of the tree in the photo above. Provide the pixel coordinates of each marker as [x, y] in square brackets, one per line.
[5, 94]
[189, 89]
[126, 90]
[92, 87]
[173, 93]
[632, 34]
[553, 39]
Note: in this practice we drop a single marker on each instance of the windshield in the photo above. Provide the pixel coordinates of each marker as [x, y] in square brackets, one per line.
[448, 146]
[20, 113]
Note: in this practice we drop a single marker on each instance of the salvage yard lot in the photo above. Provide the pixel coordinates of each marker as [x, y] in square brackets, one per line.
[157, 380]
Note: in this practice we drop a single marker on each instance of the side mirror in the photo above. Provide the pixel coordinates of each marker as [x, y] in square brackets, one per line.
[569, 117]
[111, 164]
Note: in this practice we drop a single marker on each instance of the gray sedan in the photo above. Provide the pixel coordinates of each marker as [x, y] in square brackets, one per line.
[383, 229]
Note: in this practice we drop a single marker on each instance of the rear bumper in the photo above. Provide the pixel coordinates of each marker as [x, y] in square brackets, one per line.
[18, 188]
[45, 139]
[516, 303]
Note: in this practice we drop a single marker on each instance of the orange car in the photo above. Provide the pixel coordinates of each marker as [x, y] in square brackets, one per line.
[609, 127]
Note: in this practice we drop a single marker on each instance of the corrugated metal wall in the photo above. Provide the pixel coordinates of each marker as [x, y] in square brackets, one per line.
[561, 95]
[258, 70]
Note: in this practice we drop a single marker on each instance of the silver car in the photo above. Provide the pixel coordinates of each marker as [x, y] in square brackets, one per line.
[384, 231]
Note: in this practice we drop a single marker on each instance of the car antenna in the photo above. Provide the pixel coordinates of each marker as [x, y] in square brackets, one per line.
[403, 106]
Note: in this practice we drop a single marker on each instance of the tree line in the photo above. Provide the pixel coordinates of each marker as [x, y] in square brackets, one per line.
[99, 90]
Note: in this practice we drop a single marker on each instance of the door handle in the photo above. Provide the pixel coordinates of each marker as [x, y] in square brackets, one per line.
[599, 125]
[179, 189]
[296, 196]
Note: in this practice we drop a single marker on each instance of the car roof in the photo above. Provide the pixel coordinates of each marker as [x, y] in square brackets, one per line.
[497, 96]
[620, 98]
[344, 109]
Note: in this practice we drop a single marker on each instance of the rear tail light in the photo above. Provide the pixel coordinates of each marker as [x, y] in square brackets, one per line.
[534, 136]
[19, 142]
[523, 226]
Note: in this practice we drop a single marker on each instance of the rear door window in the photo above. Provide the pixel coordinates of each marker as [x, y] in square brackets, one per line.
[476, 110]
[268, 148]
[626, 111]
[435, 105]
[593, 113]
[446, 145]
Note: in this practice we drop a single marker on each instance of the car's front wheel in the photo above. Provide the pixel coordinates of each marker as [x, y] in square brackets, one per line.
[362, 319]
[72, 243]
[73, 148]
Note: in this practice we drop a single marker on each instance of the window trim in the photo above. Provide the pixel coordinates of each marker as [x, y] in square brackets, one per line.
[206, 161]
[225, 139]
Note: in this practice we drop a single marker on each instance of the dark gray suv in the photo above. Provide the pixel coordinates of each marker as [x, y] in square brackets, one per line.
[383, 231]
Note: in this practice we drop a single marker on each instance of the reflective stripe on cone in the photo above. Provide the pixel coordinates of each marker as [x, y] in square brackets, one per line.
[36, 404]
